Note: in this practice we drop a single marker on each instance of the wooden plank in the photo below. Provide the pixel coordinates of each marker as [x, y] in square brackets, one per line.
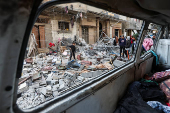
[43, 50]
[35, 31]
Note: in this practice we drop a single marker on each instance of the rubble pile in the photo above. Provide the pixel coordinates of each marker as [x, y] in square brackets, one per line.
[47, 75]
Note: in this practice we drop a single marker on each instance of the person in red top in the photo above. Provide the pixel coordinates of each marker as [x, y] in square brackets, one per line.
[131, 38]
[51, 45]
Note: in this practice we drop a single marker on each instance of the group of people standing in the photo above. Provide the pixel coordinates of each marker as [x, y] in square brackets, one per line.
[126, 44]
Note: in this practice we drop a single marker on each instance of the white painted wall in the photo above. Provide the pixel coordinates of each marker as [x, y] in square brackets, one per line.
[56, 35]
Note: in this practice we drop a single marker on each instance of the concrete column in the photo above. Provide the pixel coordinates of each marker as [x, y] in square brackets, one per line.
[97, 29]
[108, 28]
[113, 31]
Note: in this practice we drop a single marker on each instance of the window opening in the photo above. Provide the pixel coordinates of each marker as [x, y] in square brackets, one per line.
[63, 25]
[69, 46]
[151, 38]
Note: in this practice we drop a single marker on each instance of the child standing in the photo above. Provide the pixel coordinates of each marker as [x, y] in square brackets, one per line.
[72, 50]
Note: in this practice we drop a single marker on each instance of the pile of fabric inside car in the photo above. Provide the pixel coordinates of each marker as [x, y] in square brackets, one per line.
[149, 95]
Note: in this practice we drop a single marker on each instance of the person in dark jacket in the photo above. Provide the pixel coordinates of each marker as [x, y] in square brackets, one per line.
[119, 40]
[72, 50]
[122, 43]
[134, 44]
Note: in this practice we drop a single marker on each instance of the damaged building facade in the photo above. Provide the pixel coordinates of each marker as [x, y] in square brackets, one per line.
[76, 20]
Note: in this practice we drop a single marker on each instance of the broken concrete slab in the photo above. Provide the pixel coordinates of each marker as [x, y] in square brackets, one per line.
[55, 87]
[81, 68]
[43, 83]
[45, 91]
[27, 66]
[53, 82]
[80, 78]
[55, 93]
[97, 73]
[70, 76]
[62, 87]
[118, 63]
[40, 63]
[48, 87]
[45, 72]
[35, 85]
[87, 75]
[49, 60]
[91, 74]
[24, 70]
[47, 68]
[55, 77]
[23, 87]
[36, 76]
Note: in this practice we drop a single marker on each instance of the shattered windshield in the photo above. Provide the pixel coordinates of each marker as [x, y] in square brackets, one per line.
[71, 44]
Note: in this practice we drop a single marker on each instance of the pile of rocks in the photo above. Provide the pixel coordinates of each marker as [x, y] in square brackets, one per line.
[47, 75]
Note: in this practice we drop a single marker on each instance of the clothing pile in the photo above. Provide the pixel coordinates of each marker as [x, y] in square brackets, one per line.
[149, 95]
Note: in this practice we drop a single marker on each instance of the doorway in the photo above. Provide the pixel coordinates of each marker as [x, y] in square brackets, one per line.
[100, 29]
[85, 33]
[117, 32]
[39, 33]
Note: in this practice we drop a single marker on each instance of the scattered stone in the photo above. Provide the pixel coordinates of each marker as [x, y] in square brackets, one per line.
[43, 83]
[80, 78]
[87, 75]
[62, 86]
[55, 77]
[35, 85]
[55, 87]
[51, 73]
[81, 67]
[36, 76]
[118, 63]
[23, 87]
[96, 73]
[55, 93]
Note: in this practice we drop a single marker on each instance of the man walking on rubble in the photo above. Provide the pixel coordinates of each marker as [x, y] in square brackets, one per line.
[72, 50]
[122, 43]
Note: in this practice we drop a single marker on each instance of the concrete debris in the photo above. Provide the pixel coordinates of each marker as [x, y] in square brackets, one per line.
[46, 75]
[43, 83]
[55, 93]
[81, 67]
[55, 87]
[23, 87]
[81, 78]
[36, 76]
[118, 63]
